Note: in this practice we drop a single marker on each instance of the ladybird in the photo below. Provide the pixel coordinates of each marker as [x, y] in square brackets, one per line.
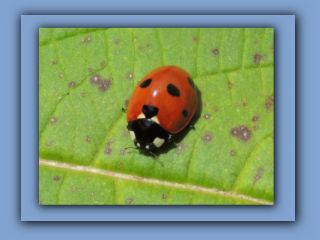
[162, 104]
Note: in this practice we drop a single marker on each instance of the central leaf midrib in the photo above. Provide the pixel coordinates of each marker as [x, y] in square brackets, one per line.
[152, 181]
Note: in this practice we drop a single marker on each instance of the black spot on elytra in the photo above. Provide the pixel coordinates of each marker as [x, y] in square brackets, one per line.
[191, 82]
[150, 111]
[173, 90]
[185, 113]
[145, 83]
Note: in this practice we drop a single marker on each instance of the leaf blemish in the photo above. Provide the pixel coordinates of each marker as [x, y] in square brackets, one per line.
[207, 137]
[117, 41]
[61, 75]
[126, 102]
[88, 139]
[72, 84]
[89, 38]
[48, 144]
[230, 85]
[129, 200]
[258, 175]
[207, 116]
[256, 58]
[140, 47]
[102, 64]
[242, 133]
[255, 127]
[269, 103]
[56, 178]
[89, 69]
[109, 142]
[53, 120]
[232, 153]
[121, 165]
[164, 196]
[215, 52]
[95, 79]
[255, 118]
[105, 85]
[129, 75]
[54, 62]
[122, 152]
[108, 151]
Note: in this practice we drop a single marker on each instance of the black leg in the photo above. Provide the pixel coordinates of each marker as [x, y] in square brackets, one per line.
[163, 149]
[191, 126]
[124, 110]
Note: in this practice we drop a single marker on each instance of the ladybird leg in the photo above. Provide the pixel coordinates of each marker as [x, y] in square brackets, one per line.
[124, 110]
[163, 149]
[191, 126]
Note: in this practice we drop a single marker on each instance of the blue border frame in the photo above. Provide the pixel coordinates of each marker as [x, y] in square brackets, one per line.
[284, 208]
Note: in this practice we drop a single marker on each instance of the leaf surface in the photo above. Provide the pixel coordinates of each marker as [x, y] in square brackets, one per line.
[88, 75]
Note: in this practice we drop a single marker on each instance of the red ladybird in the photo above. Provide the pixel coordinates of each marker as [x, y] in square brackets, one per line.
[162, 104]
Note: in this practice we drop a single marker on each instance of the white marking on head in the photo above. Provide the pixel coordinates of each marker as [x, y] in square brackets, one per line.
[170, 136]
[141, 115]
[158, 142]
[132, 135]
[147, 146]
[138, 144]
[155, 119]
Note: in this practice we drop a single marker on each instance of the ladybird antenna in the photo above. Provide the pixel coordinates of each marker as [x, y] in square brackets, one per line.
[156, 158]
[131, 147]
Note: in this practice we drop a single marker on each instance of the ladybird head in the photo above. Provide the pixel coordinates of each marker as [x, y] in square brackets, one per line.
[147, 134]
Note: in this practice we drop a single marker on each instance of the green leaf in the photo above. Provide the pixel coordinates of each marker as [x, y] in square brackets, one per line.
[227, 159]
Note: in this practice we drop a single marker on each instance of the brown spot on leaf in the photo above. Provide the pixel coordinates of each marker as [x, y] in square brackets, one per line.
[89, 69]
[95, 79]
[117, 41]
[255, 127]
[72, 84]
[258, 175]
[215, 52]
[89, 38]
[105, 85]
[53, 120]
[56, 178]
[61, 75]
[207, 137]
[129, 75]
[269, 102]
[126, 102]
[121, 165]
[255, 118]
[242, 133]
[244, 104]
[256, 58]
[109, 142]
[195, 38]
[83, 94]
[108, 151]
[83, 40]
[230, 84]
[232, 153]
[129, 200]
[54, 62]
[207, 116]
[148, 44]
[164, 196]
[102, 64]
[88, 139]
[48, 144]
[216, 109]
[140, 47]
[123, 152]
